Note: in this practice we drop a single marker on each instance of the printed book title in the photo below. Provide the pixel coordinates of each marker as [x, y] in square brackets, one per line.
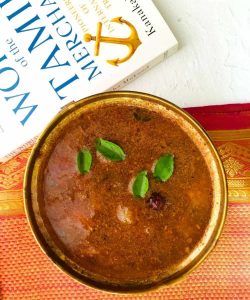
[43, 46]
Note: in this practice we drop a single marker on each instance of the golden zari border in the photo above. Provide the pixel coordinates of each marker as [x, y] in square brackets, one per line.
[233, 147]
[11, 203]
[229, 135]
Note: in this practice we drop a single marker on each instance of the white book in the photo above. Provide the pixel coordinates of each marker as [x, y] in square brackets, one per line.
[54, 52]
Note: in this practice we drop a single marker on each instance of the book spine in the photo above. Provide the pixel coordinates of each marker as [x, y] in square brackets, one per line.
[17, 150]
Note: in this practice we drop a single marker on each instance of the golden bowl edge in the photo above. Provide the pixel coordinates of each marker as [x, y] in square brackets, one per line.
[59, 262]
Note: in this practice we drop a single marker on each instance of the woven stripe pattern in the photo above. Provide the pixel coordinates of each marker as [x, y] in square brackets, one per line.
[26, 273]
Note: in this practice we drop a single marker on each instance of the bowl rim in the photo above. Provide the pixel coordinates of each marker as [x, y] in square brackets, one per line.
[67, 109]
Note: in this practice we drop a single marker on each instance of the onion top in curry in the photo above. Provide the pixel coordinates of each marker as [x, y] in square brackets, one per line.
[92, 208]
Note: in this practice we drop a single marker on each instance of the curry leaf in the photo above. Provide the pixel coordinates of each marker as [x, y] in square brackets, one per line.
[140, 185]
[109, 150]
[164, 167]
[84, 161]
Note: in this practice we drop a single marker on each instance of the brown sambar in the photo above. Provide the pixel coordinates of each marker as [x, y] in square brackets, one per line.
[92, 225]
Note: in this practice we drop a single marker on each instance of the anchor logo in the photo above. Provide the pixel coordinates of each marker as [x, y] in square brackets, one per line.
[132, 41]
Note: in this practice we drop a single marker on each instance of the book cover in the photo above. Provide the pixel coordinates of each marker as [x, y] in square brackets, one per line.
[54, 52]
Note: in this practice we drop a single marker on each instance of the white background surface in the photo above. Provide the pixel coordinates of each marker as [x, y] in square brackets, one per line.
[212, 65]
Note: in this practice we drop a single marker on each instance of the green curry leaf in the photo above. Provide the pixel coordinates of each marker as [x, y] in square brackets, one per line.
[84, 161]
[164, 167]
[109, 150]
[140, 185]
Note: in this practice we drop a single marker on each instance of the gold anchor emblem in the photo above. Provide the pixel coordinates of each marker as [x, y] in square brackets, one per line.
[132, 41]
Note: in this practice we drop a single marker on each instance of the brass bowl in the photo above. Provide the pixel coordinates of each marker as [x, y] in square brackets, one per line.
[41, 151]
